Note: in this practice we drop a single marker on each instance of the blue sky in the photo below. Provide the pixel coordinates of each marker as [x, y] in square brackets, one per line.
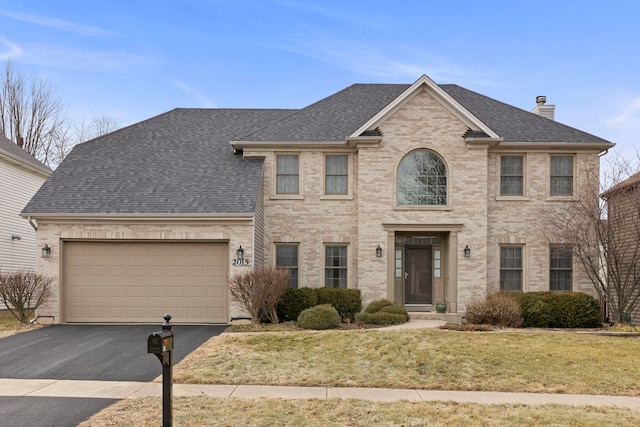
[131, 60]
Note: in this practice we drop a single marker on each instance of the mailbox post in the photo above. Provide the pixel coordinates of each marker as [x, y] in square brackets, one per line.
[161, 344]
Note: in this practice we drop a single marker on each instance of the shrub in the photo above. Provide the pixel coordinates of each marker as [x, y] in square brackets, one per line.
[383, 312]
[323, 316]
[578, 310]
[381, 318]
[347, 301]
[378, 305]
[560, 310]
[259, 290]
[499, 309]
[396, 309]
[294, 301]
[23, 292]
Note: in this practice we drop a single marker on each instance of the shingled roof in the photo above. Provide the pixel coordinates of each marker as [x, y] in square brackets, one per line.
[9, 149]
[177, 163]
[181, 162]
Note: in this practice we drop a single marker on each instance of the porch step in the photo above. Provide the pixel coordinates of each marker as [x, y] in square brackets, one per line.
[432, 315]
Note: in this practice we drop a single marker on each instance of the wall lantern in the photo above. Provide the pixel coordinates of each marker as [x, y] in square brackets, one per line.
[467, 252]
[46, 251]
[378, 252]
[240, 253]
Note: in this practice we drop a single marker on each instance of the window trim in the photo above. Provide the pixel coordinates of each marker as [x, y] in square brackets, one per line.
[288, 196]
[573, 177]
[571, 270]
[297, 267]
[446, 206]
[349, 194]
[522, 268]
[499, 195]
[325, 267]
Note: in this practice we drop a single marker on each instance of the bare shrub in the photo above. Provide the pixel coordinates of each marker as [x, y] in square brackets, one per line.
[499, 309]
[259, 290]
[23, 292]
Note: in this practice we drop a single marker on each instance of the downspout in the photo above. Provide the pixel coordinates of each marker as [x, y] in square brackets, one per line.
[33, 224]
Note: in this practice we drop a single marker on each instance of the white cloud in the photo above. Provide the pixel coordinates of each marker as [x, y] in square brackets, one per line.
[204, 100]
[12, 49]
[58, 24]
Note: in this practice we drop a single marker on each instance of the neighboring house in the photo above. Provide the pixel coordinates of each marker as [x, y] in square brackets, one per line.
[20, 177]
[623, 231]
[416, 193]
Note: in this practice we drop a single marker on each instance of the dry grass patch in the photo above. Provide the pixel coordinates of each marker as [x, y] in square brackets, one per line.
[9, 325]
[551, 362]
[204, 411]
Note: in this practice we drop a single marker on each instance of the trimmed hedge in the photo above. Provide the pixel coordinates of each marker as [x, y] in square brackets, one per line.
[294, 301]
[383, 312]
[346, 301]
[323, 316]
[559, 310]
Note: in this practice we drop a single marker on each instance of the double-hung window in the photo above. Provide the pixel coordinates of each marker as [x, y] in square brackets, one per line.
[336, 180]
[511, 175]
[511, 268]
[561, 268]
[335, 266]
[287, 174]
[561, 179]
[287, 257]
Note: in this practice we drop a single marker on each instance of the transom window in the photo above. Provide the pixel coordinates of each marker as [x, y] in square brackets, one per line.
[287, 257]
[335, 266]
[287, 174]
[511, 268]
[561, 180]
[336, 174]
[422, 179]
[511, 175]
[561, 268]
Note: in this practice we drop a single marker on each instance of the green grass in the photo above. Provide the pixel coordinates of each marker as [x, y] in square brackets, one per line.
[519, 361]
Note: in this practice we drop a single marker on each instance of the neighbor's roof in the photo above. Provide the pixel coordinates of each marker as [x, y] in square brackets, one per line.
[628, 184]
[181, 163]
[17, 154]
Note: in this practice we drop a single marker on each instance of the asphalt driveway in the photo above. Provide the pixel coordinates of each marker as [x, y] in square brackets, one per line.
[94, 352]
[84, 352]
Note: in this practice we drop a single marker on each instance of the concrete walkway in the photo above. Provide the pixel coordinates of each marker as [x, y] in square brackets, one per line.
[130, 390]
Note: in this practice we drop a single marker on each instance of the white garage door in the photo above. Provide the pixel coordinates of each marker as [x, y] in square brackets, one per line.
[141, 281]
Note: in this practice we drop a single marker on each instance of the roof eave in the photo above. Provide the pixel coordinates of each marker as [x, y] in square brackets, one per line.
[43, 171]
[599, 146]
[242, 145]
[139, 217]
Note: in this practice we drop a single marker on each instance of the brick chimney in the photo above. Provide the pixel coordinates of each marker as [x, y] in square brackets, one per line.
[548, 111]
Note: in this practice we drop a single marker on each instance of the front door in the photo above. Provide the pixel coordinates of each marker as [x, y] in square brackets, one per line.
[418, 284]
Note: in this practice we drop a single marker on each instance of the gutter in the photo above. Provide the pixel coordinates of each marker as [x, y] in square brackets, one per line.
[33, 224]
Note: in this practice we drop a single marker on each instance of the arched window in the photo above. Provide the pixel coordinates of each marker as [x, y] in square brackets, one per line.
[422, 179]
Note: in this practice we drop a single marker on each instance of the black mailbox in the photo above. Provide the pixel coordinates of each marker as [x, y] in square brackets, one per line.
[160, 342]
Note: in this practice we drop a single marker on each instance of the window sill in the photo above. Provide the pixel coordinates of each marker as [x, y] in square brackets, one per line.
[286, 197]
[512, 198]
[336, 197]
[561, 198]
[422, 208]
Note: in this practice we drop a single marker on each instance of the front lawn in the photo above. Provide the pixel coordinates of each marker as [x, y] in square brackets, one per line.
[516, 361]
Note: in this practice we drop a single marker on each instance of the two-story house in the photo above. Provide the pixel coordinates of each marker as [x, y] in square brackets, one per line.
[418, 193]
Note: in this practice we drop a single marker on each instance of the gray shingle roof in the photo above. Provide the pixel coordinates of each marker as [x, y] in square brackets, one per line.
[333, 118]
[177, 163]
[514, 124]
[12, 150]
[181, 162]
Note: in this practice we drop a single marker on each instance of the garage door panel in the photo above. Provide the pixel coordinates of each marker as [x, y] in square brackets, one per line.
[141, 281]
